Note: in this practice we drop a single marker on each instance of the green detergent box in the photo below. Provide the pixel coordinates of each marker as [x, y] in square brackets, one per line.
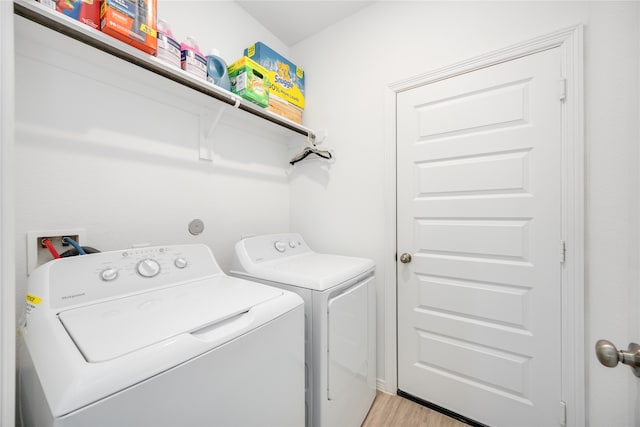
[286, 78]
[250, 81]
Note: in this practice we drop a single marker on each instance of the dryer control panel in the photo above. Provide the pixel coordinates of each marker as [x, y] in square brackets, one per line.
[273, 246]
[82, 279]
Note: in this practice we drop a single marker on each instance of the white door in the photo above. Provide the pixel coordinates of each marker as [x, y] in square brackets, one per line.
[479, 211]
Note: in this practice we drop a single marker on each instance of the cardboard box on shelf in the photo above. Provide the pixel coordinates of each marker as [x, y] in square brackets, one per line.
[284, 109]
[249, 80]
[287, 79]
[131, 21]
[85, 11]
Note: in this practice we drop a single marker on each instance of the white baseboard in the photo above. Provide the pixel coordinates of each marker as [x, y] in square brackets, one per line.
[382, 386]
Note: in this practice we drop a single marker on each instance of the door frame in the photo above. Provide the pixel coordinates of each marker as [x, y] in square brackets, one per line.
[7, 234]
[570, 41]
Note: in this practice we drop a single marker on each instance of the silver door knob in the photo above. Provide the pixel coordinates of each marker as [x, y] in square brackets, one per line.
[405, 258]
[610, 356]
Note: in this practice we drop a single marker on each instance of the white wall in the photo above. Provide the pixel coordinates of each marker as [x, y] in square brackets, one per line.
[105, 146]
[634, 303]
[7, 306]
[216, 24]
[348, 67]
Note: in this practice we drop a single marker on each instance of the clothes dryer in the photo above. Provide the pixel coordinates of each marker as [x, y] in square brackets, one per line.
[339, 298]
[158, 336]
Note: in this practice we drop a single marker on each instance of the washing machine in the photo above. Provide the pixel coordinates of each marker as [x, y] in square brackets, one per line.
[158, 336]
[339, 299]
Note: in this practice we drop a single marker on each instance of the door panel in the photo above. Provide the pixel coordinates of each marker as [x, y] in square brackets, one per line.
[479, 209]
[480, 173]
[468, 112]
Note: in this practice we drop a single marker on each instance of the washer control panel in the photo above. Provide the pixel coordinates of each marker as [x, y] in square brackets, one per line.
[107, 274]
[273, 246]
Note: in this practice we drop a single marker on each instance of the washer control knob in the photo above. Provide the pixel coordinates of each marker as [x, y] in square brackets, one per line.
[292, 244]
[280, 247]
[180, 262]
[109, 274]
[148, 268]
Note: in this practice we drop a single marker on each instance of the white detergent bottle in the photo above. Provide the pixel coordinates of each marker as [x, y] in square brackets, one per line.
[217, 70]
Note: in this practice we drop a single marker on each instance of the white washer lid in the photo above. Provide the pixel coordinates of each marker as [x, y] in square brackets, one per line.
[108, 330]
[310, 270]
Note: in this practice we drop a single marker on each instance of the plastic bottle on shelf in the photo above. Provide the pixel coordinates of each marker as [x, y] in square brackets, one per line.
[192, 60]
[168, 48]
[217, 70]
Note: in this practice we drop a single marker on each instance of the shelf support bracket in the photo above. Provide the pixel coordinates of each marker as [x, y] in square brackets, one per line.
[206, 133]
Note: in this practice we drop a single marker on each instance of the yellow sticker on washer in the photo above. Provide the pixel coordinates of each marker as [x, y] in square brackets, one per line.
[32, 304]
[32, 299]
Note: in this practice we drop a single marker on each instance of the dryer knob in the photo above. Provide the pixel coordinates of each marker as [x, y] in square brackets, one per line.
[292, 244]
[280, 247]
[180, 262]
[148, 268]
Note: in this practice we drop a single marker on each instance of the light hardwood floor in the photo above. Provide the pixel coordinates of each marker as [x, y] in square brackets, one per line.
[390, 411]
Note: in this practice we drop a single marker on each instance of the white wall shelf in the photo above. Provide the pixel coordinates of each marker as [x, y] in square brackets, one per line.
[53, 20]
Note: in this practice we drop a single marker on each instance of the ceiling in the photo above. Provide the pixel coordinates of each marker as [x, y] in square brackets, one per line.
[294, 21]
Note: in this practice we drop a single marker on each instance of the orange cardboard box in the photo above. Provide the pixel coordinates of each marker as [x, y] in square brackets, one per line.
[131, 21]
[284, 109]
